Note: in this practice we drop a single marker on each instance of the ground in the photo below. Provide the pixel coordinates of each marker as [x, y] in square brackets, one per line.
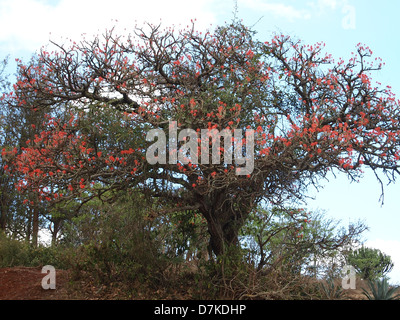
[24, 283]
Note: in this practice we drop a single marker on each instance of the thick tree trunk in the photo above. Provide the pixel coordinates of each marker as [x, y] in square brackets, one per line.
[221, 237]
[225, 215]
[223, 227]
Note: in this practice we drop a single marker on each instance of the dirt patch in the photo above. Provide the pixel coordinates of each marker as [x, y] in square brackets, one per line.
[25, 283]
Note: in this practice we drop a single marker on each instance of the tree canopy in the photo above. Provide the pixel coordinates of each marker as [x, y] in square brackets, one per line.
[309, 115]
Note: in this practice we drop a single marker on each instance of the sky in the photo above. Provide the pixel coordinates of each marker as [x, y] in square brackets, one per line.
[26, 25]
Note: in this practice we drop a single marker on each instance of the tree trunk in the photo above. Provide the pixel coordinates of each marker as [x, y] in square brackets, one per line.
[35, 226]
[223, 227]
[3, 219]
[4, 199]
[57, 223]
[29, 226]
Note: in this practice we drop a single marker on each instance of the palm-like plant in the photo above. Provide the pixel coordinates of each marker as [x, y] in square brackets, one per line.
[332, 291]
[380, 290]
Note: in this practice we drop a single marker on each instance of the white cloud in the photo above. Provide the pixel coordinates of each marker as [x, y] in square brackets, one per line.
[320, 9]
[278, 9]
[391, 248]
[29, 24]
[327, 4]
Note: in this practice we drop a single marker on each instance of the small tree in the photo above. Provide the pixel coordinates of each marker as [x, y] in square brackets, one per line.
[371, 264]
[294, 238]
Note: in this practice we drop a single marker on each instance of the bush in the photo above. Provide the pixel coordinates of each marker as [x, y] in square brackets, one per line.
[12, 252]
[116, 242]
[380, 290]
[331, 290]
[21, 253]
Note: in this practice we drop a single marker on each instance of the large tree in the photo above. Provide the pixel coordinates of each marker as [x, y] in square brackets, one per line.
[310, 115]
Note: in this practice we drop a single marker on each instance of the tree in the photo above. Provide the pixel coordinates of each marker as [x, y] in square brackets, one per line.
[307, 115]
[4, 179]
[294, 239]
[11, 208]
[371, 264]
[18, 125]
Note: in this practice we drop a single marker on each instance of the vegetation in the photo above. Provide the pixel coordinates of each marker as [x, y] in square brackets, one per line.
[370, 264]
[77, 161]
[380, 290]
[331, 290]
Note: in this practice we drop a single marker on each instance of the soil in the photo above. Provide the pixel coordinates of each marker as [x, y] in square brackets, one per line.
[25, 283]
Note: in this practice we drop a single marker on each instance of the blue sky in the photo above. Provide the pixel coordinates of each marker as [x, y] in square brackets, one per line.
[26, 25]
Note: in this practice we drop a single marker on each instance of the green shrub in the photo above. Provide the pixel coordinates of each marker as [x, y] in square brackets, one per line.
[12, 252]
[331, 291]
[380, 290]
[21, 253]
[116, 243]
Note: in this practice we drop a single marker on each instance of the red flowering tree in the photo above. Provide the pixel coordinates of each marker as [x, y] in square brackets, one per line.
[310, 115]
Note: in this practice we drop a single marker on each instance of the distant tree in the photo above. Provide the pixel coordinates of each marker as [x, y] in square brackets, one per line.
[19, 214]
[10, 200]
[371, 264]
[309, 116]
[5, 185]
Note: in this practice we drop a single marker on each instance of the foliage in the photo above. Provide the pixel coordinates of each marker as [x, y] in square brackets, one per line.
[380, 290]
[370, 263]
[12, 252]
[126, 242]
[331, 290]
[20, 253]
[114, 241]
